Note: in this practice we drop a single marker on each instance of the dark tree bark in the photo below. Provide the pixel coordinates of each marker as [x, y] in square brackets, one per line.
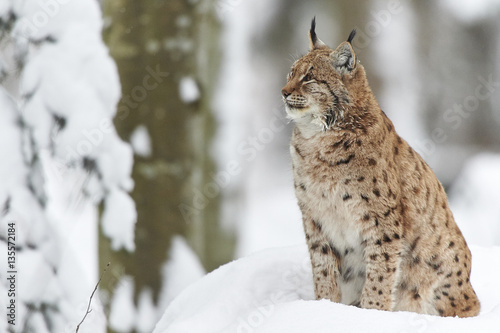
[158, 47]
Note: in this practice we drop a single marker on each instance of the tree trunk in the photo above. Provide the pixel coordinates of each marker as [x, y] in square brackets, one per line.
[166, 55]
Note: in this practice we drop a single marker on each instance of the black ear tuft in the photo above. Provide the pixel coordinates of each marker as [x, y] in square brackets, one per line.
[351, 36]
[312, 31]
[314, 41]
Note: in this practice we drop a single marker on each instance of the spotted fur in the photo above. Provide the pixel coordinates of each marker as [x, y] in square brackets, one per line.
[379, 229]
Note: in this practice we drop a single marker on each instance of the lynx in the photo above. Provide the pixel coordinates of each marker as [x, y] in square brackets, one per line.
[377, 222]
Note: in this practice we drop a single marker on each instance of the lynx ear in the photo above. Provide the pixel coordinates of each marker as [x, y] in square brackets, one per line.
[351, 36]
[314, 41]
[344, 58]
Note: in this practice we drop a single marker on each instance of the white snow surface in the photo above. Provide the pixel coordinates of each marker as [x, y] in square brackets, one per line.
[272, 291]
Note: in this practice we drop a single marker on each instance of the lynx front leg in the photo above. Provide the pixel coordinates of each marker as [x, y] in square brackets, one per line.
[382, 259]
[325, 264]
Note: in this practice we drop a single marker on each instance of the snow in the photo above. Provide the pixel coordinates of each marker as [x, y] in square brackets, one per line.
[73, 219]
[272, 291]
[38, 324]
[474, 200]
[64, 159]
[39, 19]
[115, 163]
[180, 270]
[188, 90]
[10, 144]
[122, 315]
[140, 141]
[146, 311]
[32, 263]
[118, 220]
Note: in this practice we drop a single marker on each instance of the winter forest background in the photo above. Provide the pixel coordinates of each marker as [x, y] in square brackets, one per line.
[151, 135]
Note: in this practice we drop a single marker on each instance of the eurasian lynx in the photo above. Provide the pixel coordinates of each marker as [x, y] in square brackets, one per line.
[377, 222]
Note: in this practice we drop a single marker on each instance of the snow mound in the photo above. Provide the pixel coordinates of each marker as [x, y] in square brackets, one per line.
[272, 291]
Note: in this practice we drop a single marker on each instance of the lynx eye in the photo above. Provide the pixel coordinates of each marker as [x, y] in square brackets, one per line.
[308, 77]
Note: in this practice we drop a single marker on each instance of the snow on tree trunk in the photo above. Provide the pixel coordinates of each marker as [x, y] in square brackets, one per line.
[61, 160]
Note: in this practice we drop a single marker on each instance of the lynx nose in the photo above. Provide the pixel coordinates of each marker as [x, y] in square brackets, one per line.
[287, 91]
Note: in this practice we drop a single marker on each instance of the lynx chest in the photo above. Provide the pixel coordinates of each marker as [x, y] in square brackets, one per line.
[323, 192]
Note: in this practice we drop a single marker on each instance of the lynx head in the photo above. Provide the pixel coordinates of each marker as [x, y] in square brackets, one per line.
[323, 85]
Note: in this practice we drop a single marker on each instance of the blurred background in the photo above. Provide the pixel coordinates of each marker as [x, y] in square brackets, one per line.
[219, 172]
[201, 109]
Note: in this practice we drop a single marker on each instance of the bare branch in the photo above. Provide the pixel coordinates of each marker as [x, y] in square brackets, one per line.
[89, 310]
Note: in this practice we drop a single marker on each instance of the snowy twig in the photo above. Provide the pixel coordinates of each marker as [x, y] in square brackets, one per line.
[90, 299]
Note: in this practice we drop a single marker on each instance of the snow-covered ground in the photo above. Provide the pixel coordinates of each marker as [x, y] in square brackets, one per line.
[272, 291]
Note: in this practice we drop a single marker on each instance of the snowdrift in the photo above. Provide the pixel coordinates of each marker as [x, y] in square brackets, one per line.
[272, 291]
